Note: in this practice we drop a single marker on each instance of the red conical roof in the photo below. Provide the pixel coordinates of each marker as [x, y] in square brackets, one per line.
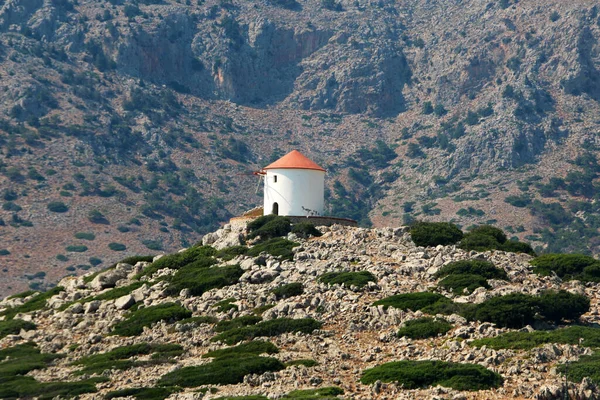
[294, 160]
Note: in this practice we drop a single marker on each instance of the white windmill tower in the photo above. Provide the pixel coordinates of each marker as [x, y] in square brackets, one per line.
[294, 186]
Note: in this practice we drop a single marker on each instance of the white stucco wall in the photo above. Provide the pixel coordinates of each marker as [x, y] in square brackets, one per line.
[296, 191]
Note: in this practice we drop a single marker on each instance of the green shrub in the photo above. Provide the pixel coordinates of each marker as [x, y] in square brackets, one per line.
[118, 292]
[308, 363]
[226, 305]
[517, 310]
[201, 255]
[272, 327]
[26, 387]
[272, 228]
[14, 326]
[36, 303]
[423, 328]
[529, 340]
[85, 235]
[259, 222]
[120, 357]
[476, 267]
[4, 252]
[76, 248]
[463, 283]
[586, 366]
[134, 260]
[488, 230]
[58, 207]
[422, 374]
[245, 320]
[305, 229]
[435, 233]
[567, 266]
[326, 393]
[138, 319]
[487, 237]
[289, 290]
[358, 279]
[202, 319]
[255, 347]
[22, 295]
[514, 246]
[221, 371]
[277, 247]
[142, 393]
[199, 280]
[117, 246]
[560, 306]
[249, 397]
[479, 243]
[412, 301]
[229, 253]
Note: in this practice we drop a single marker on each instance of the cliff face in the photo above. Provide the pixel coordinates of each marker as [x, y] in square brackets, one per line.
[154, 113]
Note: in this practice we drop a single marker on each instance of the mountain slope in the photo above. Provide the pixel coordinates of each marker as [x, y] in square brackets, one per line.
[151, 114]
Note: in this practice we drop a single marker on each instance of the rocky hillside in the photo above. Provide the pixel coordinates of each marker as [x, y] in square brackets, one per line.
[224, 320]
[128, 127]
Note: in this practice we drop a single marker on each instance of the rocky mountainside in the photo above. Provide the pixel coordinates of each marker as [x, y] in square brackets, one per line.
[135, 326]
[129, 127]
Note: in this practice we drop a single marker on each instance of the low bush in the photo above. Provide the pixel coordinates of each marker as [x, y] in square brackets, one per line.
[305, 362]
[563, 306]
[85, 235]
[358, 279]
[269, 227]
[120, 357]
[226, 305]
[422, 374]
[115, 293]
[145, 393]
[235, 323]
[18, 360]
[529, 340]
[277, 247]
[412, 301]
[586, 366]
[272, 327]
[14, 326]
[26, 387]
[487, 237]
[435, 233]
[249, 397]
[76, 248]
[117, 246]
[305, 229]
[36, 303]
[138, 319]
[255, 347]
[201, 255]
[57, 207]
[326, 393]
[134, 260]
[566, 266]
[221, 371]
[288, 290]
[476, 267]
[22, 295]
[202, 319]
[517, 310]
[463, 283]
[229, 253]
[199, 279]
[423, 328]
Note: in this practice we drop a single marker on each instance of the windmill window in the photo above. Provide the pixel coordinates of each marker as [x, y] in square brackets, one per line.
[275, 178]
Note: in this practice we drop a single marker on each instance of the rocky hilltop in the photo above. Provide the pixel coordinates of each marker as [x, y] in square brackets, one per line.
[166, 322]
[129, 127]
